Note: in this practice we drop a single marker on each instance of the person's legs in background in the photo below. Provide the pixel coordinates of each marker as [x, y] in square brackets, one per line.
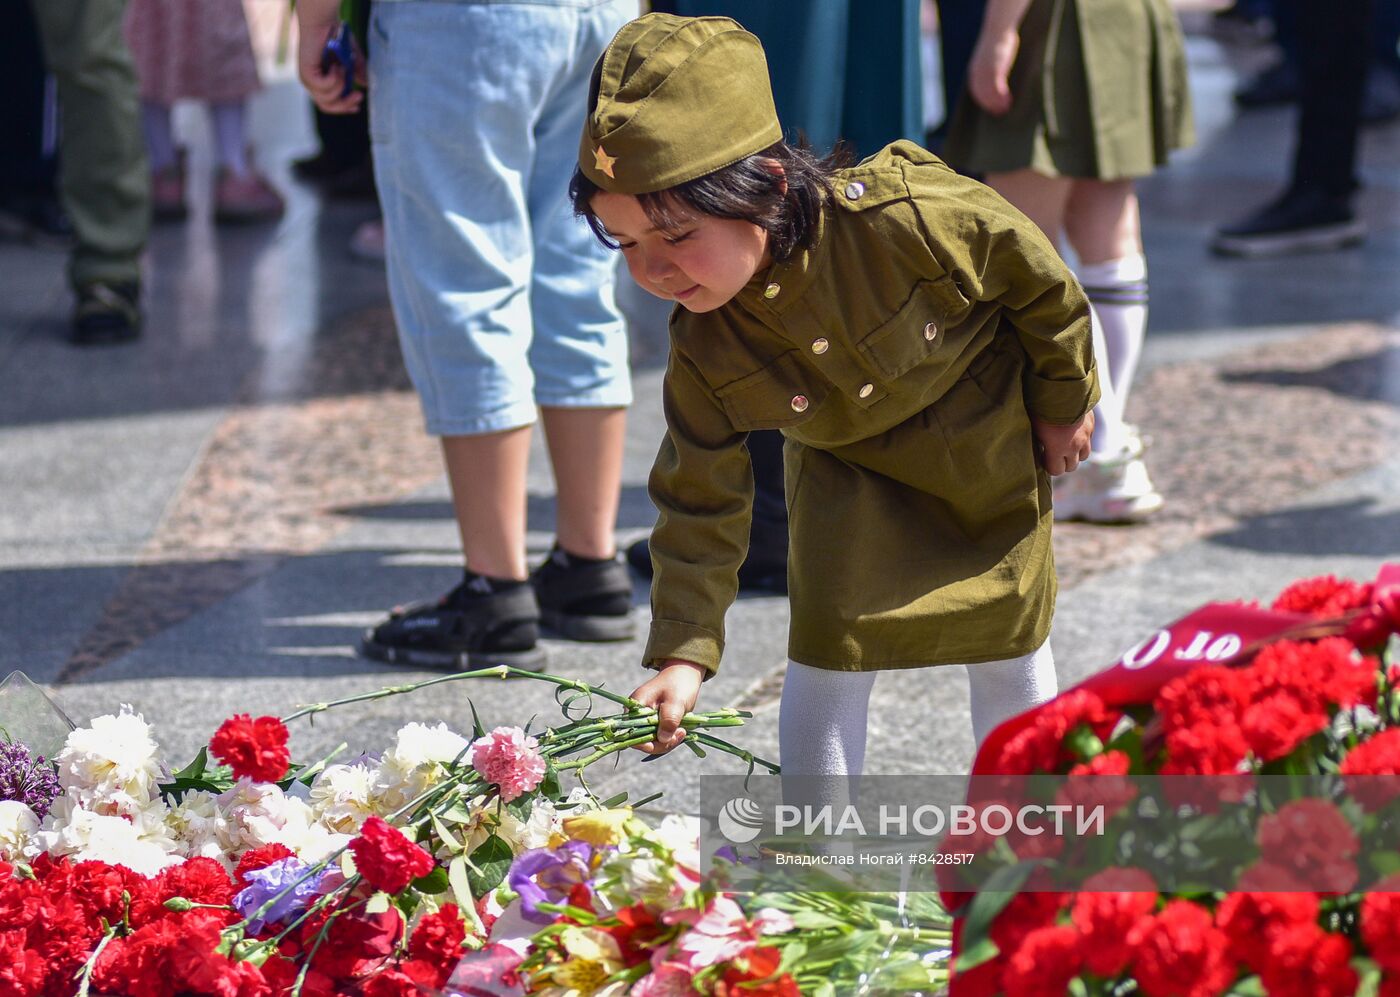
[103, 174]
[241, 192]
[1314, 213]
[30, 209]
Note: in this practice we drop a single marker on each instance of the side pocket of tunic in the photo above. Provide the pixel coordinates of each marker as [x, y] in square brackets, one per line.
[776, 396]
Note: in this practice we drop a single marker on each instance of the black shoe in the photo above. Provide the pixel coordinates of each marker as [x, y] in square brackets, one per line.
[758, 574]
[37, 219]
[1300, 221]
[481, 623]
[584, 599]
[1279, 84]
[107, 312]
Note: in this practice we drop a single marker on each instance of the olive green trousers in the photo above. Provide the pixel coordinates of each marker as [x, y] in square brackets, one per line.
[103, 177]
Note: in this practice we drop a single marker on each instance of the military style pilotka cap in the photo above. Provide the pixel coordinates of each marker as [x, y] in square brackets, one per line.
[674, 98]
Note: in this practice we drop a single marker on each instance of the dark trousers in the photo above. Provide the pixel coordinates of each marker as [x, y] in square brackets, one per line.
[28, 149]
[344, 137]
[1333, 62]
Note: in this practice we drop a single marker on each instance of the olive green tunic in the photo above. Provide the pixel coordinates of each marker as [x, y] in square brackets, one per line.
[900, 357]
[1099, 91]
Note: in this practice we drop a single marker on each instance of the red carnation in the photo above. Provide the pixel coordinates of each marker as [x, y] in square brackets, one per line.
[1323, 597]
[254, 749]
[1249, 920]
[1179, 953]
[1380, 923]
[437, 941]
[636, 929]
[1314, 842]
[260, 858]
[1200, 718]
[386, 859]
[391, 983]
[1039, 747]
[1045, 963]
[1113, 902]
[1025, 913]
[1367, 763]
[1305, 961]
[1109, 786]
[201, 880]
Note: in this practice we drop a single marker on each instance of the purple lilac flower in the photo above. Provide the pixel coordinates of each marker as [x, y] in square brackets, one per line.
[271, 880]
[549, 875]
[30, 779]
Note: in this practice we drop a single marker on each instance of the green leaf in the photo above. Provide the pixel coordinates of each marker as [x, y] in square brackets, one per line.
[991, 900]
[459, 879]
[444, 835]
[490, 862]
[614, 801]
[521, 808]
[814, 920]
[434, 882]
[1385, 863]
[549, 786]
[478, 731]
[195, 769]
[1084, 742]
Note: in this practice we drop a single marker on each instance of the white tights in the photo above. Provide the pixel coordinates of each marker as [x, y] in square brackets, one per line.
[823, 716]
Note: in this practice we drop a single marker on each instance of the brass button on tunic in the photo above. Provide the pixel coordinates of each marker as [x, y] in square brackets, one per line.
[919, 515]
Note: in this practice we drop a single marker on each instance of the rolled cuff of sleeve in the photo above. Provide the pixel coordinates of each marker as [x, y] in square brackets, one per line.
[686, 641]
[1062, 402]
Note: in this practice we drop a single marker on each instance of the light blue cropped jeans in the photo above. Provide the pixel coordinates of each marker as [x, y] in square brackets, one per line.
[503, 299]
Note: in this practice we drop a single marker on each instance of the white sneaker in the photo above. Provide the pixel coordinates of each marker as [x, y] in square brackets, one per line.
[1108, 488]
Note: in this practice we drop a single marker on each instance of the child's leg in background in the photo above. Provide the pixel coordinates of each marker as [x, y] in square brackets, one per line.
[160, 135]
[230, 137]
[1103, 226]
[1001, 689]
[822, 721]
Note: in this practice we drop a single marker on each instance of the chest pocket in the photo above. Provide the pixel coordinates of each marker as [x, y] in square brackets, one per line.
[780, 394]
[916, 330]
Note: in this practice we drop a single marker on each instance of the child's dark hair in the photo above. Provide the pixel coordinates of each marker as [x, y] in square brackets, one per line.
[749, 190]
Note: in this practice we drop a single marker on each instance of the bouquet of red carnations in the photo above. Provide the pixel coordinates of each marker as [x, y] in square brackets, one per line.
[1246, 762]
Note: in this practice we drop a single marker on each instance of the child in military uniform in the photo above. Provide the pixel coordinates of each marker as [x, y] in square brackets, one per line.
[917, 340]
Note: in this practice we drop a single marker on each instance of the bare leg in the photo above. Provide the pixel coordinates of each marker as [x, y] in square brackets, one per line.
[487, 475]
[1101, 220]
[585, 448]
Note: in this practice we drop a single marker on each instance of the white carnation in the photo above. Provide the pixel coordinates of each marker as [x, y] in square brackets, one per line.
[114, 761]
[143, 844]
[341, 797]
[18, 826]
[416, 763]
[200, 826]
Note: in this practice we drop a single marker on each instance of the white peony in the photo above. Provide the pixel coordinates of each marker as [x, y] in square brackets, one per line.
[114, 761]
[259, 813]
[18, 825]
[416, 763]
[341, 797]
[143, 844]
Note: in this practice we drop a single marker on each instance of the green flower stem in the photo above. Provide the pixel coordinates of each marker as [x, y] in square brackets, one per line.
[85, 976]
[321, 936]
[500, 671]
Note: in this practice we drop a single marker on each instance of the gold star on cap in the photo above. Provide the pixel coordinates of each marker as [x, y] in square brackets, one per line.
[603, 163]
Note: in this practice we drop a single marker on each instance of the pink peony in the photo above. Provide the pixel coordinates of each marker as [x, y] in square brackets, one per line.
[510, 759]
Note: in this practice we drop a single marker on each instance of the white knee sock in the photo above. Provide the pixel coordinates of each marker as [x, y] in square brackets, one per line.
[822, 721]
[160, 135]
[1110, 431]
[1118, 291]
[229, 136]
[1002, 689]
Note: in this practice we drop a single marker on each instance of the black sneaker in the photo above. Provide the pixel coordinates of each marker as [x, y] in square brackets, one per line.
[757, 575]
[584, 599]
[481, 623]
[37, 219]
[107, 312]
[1301, 221]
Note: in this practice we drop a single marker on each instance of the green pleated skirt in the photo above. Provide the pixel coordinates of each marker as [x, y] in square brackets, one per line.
[1099, 91]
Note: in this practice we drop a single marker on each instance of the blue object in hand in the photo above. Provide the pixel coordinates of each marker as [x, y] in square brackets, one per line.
[341, 48]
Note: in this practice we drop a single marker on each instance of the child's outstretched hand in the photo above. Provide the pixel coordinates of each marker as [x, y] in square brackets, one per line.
[1063, 447]
[673, 693]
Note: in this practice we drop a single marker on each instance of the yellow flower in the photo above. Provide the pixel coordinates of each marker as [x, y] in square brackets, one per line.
[599, 827]
[593, 957]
